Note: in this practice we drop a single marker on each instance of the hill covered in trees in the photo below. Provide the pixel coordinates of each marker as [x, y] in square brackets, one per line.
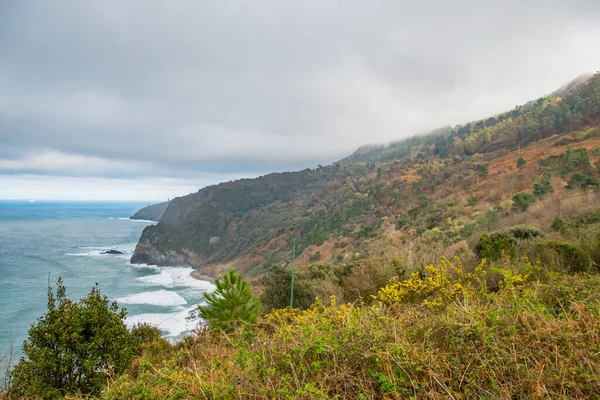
[440, 188]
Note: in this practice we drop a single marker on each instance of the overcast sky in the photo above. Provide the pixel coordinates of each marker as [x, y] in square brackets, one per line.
[145, 99]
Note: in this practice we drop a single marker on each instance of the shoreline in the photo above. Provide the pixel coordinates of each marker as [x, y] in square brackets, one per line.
[198, 275]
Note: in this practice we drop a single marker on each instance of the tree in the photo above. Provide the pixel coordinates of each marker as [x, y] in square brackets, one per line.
[522, 201]
[482, 170]
[543, 187]
[521, 163]
[73, 347]
[231, 304]
[582, 181]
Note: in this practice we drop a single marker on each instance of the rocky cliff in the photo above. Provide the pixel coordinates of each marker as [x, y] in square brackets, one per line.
[152, 212]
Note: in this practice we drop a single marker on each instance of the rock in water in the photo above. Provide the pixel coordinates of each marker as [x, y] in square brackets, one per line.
[112, 252]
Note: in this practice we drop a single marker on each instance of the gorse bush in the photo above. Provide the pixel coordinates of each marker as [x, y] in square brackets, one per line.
[231, 305]
[436, 286]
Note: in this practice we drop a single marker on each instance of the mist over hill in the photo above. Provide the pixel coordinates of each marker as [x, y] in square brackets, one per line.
[437, 187]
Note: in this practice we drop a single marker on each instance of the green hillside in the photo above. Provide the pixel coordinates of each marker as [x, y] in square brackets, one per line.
[442, 187]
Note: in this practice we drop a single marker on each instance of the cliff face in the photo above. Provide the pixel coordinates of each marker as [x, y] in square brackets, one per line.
[223, 222]
[152, 212]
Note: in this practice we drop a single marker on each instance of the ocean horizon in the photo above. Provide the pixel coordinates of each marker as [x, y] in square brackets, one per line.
[45, 239]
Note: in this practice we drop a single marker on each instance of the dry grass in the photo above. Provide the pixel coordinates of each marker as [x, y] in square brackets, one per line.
[536, 338]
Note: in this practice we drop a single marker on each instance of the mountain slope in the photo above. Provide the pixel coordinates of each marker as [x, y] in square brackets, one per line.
[151, 212]
[437, 188]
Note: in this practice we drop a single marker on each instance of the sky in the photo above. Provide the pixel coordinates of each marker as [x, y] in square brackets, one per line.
[148, 99]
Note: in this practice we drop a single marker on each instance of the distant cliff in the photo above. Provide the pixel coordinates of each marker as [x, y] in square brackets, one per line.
[152, 212]
[247, 219]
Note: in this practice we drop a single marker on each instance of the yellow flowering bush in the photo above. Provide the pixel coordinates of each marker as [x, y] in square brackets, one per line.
[436, 285]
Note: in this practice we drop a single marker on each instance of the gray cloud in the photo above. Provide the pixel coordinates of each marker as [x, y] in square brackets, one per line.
[183, 88]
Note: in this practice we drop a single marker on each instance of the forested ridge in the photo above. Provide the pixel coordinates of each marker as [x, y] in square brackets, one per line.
[444, 185]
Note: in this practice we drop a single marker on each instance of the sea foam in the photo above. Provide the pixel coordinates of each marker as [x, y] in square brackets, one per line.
[173, 325]
[175, 277]
[163, 298]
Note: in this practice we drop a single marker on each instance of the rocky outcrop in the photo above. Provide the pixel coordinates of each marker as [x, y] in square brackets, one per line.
[115, 252]
[150, 251]
[152, 212]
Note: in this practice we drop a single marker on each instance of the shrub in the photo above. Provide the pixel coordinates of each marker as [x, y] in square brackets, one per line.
[143, 334]
[521, 163]
[231, 305]
[582, 181]
[588, 217]
[522, 201]
[542, 188]
[559, 224]
[494, 248]
[563, 255]
[315, 280]
[73, 347]
[495, 243]
[435, 286]
[402, 221]
[368, 276]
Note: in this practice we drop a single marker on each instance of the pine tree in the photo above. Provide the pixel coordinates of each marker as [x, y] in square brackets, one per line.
[231, 304]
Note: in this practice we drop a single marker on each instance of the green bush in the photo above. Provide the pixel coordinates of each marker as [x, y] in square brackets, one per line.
[582, 181]
[562, 255]
[402, 221]
[521, 163]
[315, 280]
[559, 224]
[495, 243]
[231, 304]
[588, 217]
[73, 347]
[493, 249]
[542, 188]
[522, 201]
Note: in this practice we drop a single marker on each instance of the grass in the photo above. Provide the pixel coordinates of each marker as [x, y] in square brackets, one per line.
[449, 336]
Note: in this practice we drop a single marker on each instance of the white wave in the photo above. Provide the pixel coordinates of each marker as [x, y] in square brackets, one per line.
[156, 298]
[176, 277]
[173, 325]
[143, 266]
[91, 253]
[148, 221]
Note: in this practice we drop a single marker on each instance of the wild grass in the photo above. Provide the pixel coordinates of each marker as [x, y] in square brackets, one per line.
[447, 335]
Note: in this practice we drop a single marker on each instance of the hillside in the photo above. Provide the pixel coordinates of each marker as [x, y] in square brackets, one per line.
[431, 190]
[151, 212]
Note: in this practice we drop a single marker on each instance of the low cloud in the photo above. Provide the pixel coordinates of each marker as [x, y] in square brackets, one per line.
[144, 89]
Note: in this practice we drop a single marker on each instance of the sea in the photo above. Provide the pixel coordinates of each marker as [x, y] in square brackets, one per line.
[43, 240]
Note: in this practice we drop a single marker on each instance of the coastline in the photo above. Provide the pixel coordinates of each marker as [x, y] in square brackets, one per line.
[198, 275]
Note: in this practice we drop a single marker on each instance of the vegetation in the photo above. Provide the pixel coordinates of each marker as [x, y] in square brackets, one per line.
[231, 304]
[442, 333]
[522, 201]
[437, 188]
[75, 346]
[430, 268]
